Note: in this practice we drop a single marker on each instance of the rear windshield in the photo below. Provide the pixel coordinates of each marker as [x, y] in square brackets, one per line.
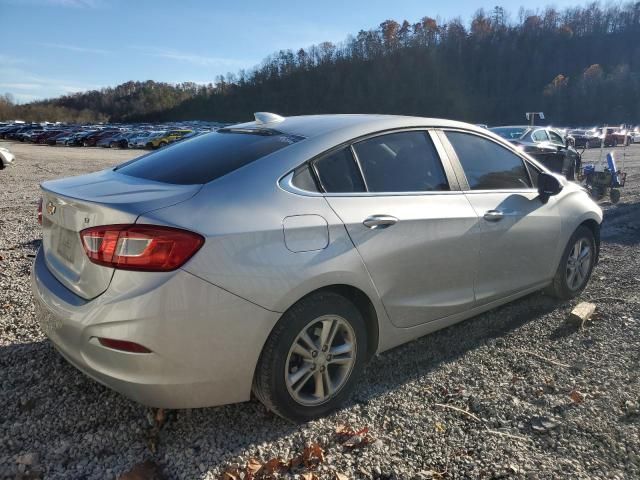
[207, 157]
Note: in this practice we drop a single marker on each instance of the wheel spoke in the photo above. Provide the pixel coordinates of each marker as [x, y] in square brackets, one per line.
[584, 255]
[300, 378]
[311, 345]
[329, 328]
[302, 351]
[342, 349]
[319, 393]
[328, 384]
[575, 251]
[341, 361]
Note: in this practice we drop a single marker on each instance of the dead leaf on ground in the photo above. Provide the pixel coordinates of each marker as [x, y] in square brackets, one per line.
[253, 466]
[313, 455]
[309, 476]
[160, 417]
[231, 474]
[147, 470]
[273, 466]
[341, 476]
[350, 438]
[576, 396]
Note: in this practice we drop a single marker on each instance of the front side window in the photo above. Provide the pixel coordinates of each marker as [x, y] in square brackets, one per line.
[487, 165]
[555, 138]
[207, 157]
[338, 172]
[401, 162]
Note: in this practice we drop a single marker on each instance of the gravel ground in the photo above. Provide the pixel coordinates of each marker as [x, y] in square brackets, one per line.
[541, 398]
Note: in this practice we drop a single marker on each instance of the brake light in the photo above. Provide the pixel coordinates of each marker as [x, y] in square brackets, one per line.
[40, 211]
[123, 345]
[148, 248]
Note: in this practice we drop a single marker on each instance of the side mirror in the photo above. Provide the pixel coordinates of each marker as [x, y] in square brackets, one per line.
[548, 185]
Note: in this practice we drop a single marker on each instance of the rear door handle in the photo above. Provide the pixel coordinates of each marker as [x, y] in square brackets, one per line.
[379, 221]
[493, 215]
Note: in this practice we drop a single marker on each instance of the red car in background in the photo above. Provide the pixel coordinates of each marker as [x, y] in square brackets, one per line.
[91, 140]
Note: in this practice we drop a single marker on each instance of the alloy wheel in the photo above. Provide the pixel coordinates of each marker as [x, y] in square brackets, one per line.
[578, 264]
[320, 360]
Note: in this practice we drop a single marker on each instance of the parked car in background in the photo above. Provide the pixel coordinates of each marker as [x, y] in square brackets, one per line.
[77, 139]
[165, 138]
[585, 138]
[140, 140]
[614, 137]
[92, 139]
[122, 140]
[279, 256]
[6, 157]
[105, 140]
[635, 135]
[545, 145]
[61, 138]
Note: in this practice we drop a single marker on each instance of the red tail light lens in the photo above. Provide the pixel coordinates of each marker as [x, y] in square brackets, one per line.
[40, 211]
[123, 345]
[147, 248]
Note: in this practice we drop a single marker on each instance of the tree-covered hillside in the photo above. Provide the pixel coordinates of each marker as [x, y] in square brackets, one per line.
[579, 65]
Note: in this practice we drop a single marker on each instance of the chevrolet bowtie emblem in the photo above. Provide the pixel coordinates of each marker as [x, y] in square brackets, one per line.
[51, 208]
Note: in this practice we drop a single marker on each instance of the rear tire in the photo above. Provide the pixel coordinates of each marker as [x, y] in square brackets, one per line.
[575, 266]
[330, 370]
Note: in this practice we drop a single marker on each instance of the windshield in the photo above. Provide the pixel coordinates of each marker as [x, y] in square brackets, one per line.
[510, 133]
[207, 157]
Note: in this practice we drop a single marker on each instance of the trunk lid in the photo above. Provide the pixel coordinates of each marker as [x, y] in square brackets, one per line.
[103, 198]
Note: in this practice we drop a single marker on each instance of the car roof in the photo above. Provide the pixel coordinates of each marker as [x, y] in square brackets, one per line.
[310, 126]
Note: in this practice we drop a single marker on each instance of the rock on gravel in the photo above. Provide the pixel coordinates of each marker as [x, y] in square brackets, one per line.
[530, 422]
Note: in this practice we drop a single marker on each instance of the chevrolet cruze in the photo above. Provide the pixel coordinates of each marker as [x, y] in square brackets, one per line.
[278, 256]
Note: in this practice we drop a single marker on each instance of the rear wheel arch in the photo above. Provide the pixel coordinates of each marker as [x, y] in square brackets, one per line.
[361, 301]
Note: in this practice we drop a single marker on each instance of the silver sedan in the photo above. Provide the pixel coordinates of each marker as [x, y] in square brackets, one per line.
[280, 255]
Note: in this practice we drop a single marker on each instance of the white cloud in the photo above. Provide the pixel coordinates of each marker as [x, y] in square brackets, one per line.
[75, 48]
[20, 86]
[193, 58]
[58, 3]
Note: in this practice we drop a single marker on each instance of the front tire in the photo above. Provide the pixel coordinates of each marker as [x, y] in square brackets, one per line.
[576, 265]
[312, 359]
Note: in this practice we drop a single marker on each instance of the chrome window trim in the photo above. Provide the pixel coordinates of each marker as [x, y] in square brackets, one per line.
[502, 143]
[286, 181]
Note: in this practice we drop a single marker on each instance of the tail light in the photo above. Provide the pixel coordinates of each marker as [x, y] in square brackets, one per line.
[148, 248]
[40, 211]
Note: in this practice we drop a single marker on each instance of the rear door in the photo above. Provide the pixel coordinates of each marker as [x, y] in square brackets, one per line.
[416, 232]
[519, 232]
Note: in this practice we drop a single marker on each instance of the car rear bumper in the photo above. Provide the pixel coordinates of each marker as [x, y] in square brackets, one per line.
[205, 342]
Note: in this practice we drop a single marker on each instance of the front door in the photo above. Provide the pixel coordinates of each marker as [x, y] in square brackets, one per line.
[519, 231]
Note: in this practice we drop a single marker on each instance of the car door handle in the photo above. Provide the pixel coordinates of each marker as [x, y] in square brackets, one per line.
[493, 215]
[379, 221]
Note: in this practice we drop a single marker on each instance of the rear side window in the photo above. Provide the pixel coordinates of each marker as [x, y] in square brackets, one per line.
[487, 165]
[338, 173]
[401, 162]
[540, 136]
[207, 157]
